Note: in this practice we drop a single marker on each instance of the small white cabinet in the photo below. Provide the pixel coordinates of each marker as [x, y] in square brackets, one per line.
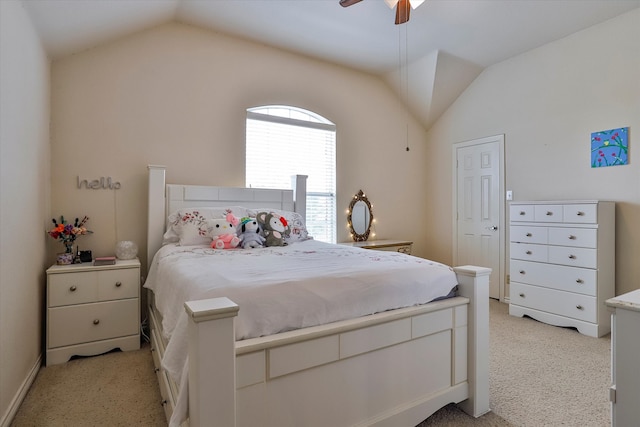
[625, 352]
[403, 246]
[562, 263]
[92, 309]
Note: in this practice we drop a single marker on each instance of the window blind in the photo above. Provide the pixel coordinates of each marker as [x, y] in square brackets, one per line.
[278, 147]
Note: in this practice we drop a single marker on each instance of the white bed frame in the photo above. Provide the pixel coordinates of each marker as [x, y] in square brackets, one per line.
[394, 368]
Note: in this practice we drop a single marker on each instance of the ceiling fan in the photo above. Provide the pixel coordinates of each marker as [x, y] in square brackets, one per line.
[403, 7]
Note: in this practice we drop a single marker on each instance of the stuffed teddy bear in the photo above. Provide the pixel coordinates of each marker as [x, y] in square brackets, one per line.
[249, 233]
[274, 228]
[223, 232]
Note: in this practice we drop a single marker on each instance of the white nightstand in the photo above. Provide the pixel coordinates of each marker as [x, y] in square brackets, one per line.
[403, 246]
[91, 310]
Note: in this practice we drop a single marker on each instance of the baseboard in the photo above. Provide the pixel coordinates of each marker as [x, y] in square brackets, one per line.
[8, 416]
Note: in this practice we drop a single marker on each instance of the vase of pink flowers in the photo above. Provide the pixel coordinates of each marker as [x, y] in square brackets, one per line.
[67, 235]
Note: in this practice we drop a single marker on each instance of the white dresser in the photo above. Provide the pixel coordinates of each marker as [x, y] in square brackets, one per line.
[625, 353]
[91, 310]
[562, 263]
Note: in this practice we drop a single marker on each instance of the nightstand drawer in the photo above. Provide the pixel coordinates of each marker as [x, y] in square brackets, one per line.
[92, 322]
[73, 288]
[118, 284]
[403, 249]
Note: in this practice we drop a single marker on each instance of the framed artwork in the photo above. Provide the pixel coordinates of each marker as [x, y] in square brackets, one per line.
[610, 148]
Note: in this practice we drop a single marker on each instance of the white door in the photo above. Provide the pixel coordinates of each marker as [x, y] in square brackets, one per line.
[479, 208]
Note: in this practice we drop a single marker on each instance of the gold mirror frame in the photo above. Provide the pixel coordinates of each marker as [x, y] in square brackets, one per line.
[360, 197]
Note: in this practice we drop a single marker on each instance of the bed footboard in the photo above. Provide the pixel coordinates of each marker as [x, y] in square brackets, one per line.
[408, 363]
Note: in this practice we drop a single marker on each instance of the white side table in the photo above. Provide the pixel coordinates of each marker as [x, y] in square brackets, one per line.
[92, 309]
[625, 352]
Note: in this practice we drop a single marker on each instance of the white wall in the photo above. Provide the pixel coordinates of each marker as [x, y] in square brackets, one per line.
[24, 201]
[547, 102]
[177, 95]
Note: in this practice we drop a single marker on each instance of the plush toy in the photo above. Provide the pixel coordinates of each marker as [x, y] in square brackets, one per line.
[274, 228]
[249, 233]
[223, 232]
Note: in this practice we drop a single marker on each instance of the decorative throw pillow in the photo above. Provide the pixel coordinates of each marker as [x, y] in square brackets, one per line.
[188, 226]
[296, 224]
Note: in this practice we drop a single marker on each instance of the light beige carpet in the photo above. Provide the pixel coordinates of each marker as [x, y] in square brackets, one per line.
[540, 376]
[114, 389]
[543, 375]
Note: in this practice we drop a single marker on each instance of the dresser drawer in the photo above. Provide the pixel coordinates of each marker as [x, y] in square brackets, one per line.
[402, 249]
[548, 213]
[73, 288]
[118, 284]
[576, 306]
[577, 257]
[529, 252]
[570, 279]
[581, 213]
[92, 322]
[521, 213]
[528, 234]
[577, 237]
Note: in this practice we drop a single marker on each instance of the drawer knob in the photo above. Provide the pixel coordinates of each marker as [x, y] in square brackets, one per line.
[529, 234]
[118, 284]
[522, 272]
[549, 213]
[522, 295]
[579, 307]
[572, 257]
[580, 213]
[96, 321]
[572, 237]
[528, 252]
[522, 213]
[579, 281]
[73, 288]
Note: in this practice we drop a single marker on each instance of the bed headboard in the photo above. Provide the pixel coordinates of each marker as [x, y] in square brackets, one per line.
[167, 198]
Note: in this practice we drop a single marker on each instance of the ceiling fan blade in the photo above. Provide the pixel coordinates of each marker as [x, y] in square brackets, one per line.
[403, 9]
[347, 3]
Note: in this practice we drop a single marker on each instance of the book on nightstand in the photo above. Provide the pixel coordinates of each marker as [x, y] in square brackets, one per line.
[104, 260]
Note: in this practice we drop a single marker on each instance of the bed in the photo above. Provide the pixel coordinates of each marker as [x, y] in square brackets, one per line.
[392, 366]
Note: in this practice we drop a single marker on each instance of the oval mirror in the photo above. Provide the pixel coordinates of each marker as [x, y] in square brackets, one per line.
[360, 217]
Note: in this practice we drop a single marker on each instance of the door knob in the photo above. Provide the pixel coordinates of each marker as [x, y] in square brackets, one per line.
[492, 228]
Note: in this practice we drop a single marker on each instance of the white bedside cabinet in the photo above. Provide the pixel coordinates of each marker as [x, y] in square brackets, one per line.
[625, 352]
[92, 309]
[403, 246]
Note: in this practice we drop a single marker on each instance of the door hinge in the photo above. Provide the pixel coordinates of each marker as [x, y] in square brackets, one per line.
[612, 394]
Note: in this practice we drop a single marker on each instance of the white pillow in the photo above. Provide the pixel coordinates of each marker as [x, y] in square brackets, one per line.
[188, 226]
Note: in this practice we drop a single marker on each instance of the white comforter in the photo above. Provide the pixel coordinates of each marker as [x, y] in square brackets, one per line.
[283, 288]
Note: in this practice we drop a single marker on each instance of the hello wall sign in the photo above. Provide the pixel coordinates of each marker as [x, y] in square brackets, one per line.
[103, 183]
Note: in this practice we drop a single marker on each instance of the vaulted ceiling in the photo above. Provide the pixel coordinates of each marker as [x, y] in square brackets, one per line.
[446, 43]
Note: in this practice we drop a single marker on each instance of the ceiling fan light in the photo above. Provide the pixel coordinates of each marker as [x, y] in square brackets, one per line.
[416, 3]
[392, 3]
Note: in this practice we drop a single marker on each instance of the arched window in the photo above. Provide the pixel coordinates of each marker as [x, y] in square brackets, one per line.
[282, 141]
